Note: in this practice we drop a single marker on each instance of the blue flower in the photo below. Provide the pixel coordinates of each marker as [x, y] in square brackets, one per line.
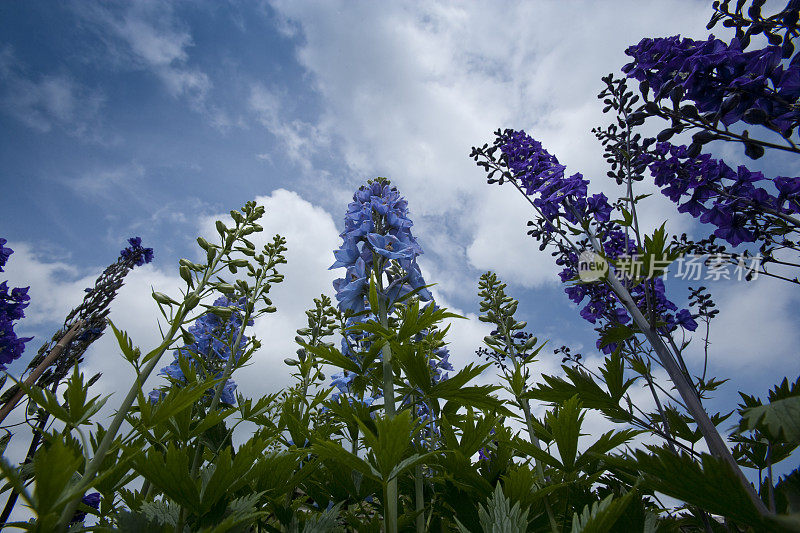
[389, 246]
[685, 319]
[135, 253]
[211, 349]
[12, 308]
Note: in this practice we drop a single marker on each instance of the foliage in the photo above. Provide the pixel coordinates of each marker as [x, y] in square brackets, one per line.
[398, 438]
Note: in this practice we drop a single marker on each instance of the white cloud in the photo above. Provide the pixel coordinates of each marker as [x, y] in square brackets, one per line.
[409, 93]
[756, 330]
[148, 36]
[106, 183]
[300, 140]
[501, 244]
[311, 238]
[48, 101]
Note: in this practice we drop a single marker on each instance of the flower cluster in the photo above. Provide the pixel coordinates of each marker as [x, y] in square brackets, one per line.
[541, 175]
[211, 349]
[557, 196]
[716, 194]
[377, 227]
[12, 307]
[135, 253]
[721, 78]
[377, 237]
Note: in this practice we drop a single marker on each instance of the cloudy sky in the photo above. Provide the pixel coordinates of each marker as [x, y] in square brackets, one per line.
[154, 118]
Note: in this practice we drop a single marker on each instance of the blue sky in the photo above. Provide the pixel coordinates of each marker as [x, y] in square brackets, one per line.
[153, 118]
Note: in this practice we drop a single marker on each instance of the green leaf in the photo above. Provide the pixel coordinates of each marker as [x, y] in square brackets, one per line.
[709, 484]
[334, 451]
[780, 420]
[498, 516]
[53, 468]
[606, 443]
[615, 334]
[415, 364]
[130, 352]
[241, 511]
[556, 390]
[176, 400]
[169, 472]
[392, 441]
[565, 425]
[161, 512]
[601, 516]
[409, 462]
[12, 477]
[324, 521]
[330, 355]
[532, 450]
[80, 411]
[373, 292]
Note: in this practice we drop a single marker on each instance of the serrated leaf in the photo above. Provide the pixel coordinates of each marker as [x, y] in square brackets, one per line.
[780, 420]
[709, 484]
[499, 516]
[53, 468]
[161, 512]
[601, 516]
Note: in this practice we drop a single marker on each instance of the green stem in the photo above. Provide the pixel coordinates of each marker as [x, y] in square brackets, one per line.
[526, 410]
[390, 499]
[93, 467]
[226, 374]
[688, 393]
[419, 489]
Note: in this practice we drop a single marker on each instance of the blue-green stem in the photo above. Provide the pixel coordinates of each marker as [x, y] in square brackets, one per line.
[390, 487]
[226, 374]
[526, 410]
[94, 465]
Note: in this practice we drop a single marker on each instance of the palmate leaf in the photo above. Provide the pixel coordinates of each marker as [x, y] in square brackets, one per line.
[780, 420]
[170, 472]
[565, 426]
[392, 440]
[475, 432]
[12, 477]
[499, 516]
[333, 451]
[240, 511]
[330, 355]
[529, 449]
[557, 390]
[455, 390]
[709, 484]
[161, 512]
[601, 516]
[415, 364]
[324, 521]
[230, 473]
[787, 493]
[54, 466]
[606, 443]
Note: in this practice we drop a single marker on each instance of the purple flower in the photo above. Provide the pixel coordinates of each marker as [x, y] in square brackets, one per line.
[685, 319]
[91, 500]
[4, 253]
[134, 253]
[12, 306]
[710, 71]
